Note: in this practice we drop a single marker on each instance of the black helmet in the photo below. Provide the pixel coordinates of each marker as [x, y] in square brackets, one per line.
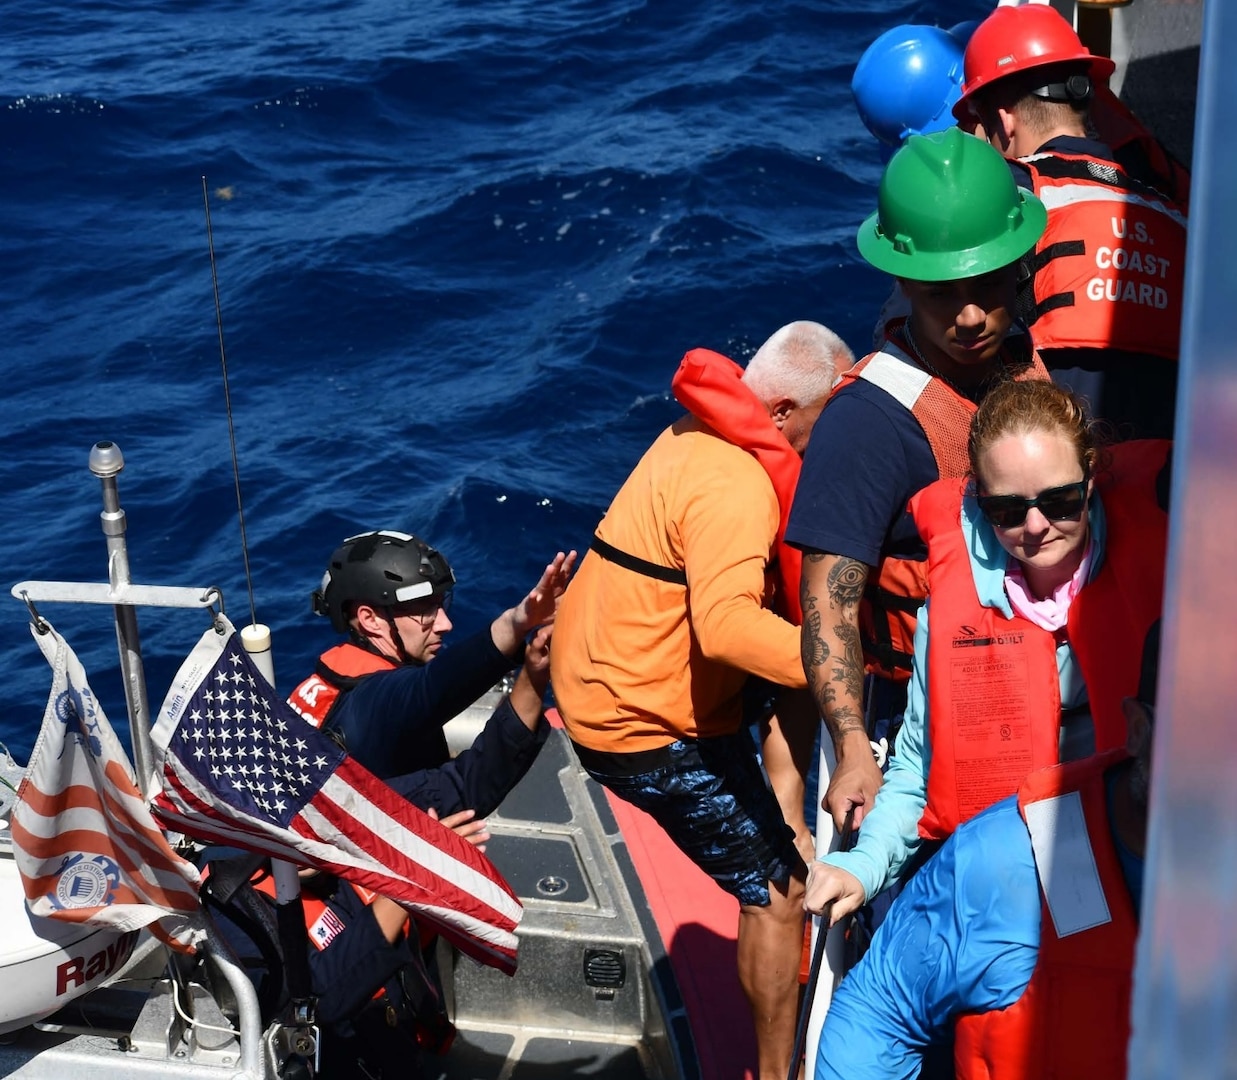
[379, 568]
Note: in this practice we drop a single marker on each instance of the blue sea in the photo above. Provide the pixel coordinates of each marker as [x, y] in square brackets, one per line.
[460, 249]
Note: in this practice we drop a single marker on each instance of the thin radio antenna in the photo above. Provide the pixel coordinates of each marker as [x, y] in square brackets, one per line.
[227, 397]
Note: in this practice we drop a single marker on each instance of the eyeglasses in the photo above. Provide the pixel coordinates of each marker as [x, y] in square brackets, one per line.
[425, 611]
[1056, 504]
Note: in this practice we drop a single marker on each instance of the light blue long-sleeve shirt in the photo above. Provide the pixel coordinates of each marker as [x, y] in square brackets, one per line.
[889, 836]
[962, 937]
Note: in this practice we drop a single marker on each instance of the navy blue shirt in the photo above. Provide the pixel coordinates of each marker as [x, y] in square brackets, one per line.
[866, 458]
[392, 721]
[480, 777]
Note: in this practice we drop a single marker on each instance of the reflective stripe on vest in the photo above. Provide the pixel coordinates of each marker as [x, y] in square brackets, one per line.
[891, 602]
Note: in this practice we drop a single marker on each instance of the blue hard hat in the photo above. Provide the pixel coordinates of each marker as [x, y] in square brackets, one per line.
[907, 81]
[963, 30]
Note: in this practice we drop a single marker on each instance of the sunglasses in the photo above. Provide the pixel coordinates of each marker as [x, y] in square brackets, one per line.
[1056, 504]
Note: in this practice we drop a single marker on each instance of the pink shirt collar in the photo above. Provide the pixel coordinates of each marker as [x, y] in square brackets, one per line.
[1051, 612]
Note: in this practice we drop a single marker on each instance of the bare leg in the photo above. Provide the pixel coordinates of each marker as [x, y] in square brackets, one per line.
[770, 948]
[787, 744]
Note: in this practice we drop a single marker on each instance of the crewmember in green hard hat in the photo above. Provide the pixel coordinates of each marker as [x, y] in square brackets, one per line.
[950, 226]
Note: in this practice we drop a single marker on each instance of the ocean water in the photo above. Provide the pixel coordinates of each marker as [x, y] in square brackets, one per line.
[460, 247]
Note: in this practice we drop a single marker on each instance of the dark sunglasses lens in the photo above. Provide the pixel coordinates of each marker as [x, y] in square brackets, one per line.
[1064, 504]
[1004, 511]
[1056, 504]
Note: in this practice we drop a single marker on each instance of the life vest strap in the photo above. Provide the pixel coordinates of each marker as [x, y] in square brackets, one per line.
[640, 566]
[880, 647]
[1061, 249]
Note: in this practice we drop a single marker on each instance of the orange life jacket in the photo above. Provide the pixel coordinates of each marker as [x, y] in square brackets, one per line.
[1109, 271]
[339, 669]
[1073, 1020]
[710, 387]
[891, 602]
[994, 699]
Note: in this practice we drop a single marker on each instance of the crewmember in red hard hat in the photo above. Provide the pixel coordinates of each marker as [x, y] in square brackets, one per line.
[1102, 292]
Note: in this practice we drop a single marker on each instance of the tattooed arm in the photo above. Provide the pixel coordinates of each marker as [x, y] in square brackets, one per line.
[830, 590]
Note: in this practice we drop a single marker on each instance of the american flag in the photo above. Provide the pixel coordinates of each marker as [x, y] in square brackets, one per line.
[85, 843]
[238, 766]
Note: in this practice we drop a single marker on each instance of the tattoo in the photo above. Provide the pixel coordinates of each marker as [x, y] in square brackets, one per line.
[813, 649]
[848, 667]
[844, 721]
[830, 648]
[846, 582]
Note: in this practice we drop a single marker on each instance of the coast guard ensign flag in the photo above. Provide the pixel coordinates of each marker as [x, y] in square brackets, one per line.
[238, 766]
[84, 841]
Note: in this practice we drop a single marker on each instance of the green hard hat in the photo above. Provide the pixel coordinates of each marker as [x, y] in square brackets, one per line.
[948, 208]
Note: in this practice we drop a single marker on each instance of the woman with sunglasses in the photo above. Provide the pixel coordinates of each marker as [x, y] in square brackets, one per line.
[1045, 571]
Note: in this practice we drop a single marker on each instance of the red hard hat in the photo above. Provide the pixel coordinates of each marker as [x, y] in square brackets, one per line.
[1015, 39]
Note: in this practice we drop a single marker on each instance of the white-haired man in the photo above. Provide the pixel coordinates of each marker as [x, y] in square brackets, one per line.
[671, 611]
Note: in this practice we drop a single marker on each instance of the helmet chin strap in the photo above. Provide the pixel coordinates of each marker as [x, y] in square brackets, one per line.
[400, 652]
[366, 642]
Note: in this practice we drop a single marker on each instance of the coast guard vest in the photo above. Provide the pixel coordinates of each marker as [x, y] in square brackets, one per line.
[339, 669]
[994, 698]
[891, 602]
[1109, 271]
[1073, 1020]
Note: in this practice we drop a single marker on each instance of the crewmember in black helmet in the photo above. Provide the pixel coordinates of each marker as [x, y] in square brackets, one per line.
[379, 997]
[379, 694]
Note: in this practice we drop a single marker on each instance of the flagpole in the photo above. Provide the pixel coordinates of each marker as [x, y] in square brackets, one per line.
[289, 907]
[106, 461]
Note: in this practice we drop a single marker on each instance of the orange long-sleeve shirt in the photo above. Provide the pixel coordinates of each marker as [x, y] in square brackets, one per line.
[636, 662]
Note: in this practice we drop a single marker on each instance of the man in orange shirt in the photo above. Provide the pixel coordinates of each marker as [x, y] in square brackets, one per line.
[669, 614]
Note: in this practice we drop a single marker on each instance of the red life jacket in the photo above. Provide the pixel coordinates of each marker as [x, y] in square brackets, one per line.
[1073, 1020]
[339, 669]
[994, 699]
[891, 602]
[1130, 141]
[710, 387]
[1109, 271]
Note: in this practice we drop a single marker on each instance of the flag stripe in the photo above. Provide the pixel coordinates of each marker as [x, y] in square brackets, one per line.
[50, 854]
[239, 766]
[412, 848]
[80, 810]
[183, 803]
[86, 846]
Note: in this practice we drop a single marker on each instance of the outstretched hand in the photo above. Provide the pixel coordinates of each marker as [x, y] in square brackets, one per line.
[529, 690]
[539, 606]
